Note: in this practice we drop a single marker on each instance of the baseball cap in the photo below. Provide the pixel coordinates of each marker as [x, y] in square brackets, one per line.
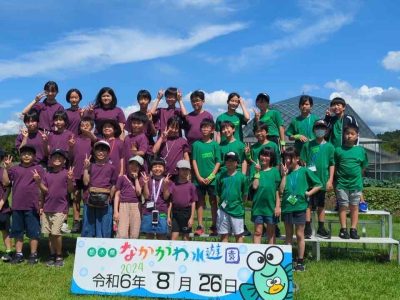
[231, 156]
[59, 151]
[183, 164]
[101, 142]
[320, 123]
[27, 148]
[138, 159]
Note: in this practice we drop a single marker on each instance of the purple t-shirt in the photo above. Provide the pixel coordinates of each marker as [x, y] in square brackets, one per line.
[146, 131]
[25, 192]
[127, 189]
[6, 207]
[159, 203]
[116, 153]
[82, 147]
[47, 111]
[35, 140]
[192, 125]
[172, 151]
[56, 201]
[59, 140]
[102, 176]
[182, 194]
[162, 116]
[141, 143]
[74, 117]
[101, 114]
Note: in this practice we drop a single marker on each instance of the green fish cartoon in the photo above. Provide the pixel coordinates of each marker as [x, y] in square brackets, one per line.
[270, 279]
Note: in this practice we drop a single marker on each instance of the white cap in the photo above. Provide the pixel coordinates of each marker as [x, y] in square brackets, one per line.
[183, 164]
[102, 142]
[138, 159]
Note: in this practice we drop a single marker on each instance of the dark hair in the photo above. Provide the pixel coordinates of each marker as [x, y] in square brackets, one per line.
[157, 161]
[68, 95]
[304, 98]
[61, 114]
[143, 94]
[351, 126]
[260, 126]
[338, 100]
[227, 123]
[197, 94]
[103, 90]
[49, 85]
[171, 91]
[86, 119]
[174, 121]
[262, 96]
[231, 95]
[138, 116]
[291, 152]
[207, 122]
[31, 115]
[267, 151]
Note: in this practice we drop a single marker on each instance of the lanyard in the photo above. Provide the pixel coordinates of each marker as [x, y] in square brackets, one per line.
[293, 182]
[315, 155]
[156, 195]
[168, 148]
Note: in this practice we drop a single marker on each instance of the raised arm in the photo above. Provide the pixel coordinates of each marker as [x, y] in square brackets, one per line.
[38, 97]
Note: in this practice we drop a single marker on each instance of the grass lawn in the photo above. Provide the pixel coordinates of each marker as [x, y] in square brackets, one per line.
[342, 273]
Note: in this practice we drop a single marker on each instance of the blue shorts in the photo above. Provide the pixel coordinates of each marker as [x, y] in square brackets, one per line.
[148, 227]
[25, 221]
[97, 221]
[264, 220]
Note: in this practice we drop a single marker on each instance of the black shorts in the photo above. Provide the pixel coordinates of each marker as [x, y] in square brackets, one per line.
[295, 218]
[180, 219]
[317, 200]
[5, 221]
[202, 190]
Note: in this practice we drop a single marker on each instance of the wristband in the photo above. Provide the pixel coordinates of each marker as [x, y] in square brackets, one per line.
[211, 177]
[248, 155]
[257, 175]
[296, 137]
[283, 143]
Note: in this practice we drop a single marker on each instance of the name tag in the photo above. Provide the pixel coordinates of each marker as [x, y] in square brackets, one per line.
[312, 168]
[223, 204]
[149, 204]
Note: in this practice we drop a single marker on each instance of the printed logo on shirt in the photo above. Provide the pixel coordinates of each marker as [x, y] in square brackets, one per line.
[207, 155]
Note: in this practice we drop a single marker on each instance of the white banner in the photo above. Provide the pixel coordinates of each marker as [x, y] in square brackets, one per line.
[183, 270]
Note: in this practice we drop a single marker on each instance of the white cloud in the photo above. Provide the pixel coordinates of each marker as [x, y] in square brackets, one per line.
[12, 126]
[379, 107]
[317, 6]
[306, 88]
[90, 51]
[9, 103]
[287, 25]
[130, 109]
[392, 61]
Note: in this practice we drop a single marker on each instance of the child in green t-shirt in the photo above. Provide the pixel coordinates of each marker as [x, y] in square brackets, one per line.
[266, 201]
[206, 162]
[318, 157]
[231, 189]
[298, 184]
[300, 129]
[350, 160]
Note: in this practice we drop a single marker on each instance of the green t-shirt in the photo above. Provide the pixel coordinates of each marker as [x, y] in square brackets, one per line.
[350, 161]
[335, 138]
[318, 158]
[206, 156]
[274, 120]
[303, 126]
[230, 191]
[264, 198]
[237, 119]
[298, 182]
[235, 146]
[255, 151]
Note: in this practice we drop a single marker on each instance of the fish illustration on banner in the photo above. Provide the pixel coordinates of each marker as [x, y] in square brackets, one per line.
[271, 280]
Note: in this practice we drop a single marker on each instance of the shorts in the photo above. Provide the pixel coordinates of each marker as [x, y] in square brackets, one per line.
[295, 218]
[97, 221]
[148, 227]
[25, 221]
[317, 200]
[265, 220]
[52, 222]
[202, 190]
[346, 197]
[180, 219]
[5, 221]
[226, 224]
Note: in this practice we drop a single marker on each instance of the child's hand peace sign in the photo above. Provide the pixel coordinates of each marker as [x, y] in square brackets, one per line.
[145, 177]
[160, 94]
[257, 114]
[39, 96]
[8, 161]
[36, 176]
[167, 180]
[24, 133]
[70, 173]
[179, 95]
[247, 148]
[71, 141]
[86, 162]
[165, 134]
[45, 135]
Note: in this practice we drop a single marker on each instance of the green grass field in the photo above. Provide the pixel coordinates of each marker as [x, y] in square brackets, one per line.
[342, 273]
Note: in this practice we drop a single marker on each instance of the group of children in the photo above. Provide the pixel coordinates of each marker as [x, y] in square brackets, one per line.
[140, 175]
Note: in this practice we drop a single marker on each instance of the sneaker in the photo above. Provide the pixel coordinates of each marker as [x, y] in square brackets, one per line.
[277, 232]
[33, 259]
[199, 231]
[246, 232]
[59, 262]
[307, 231]
[300, 267]
[323, 233]
[65, 229]
[17, 259]
[343, 234]
[50, 262]
[6, 257]
[76, 227]
[213, 231]
[353, 234]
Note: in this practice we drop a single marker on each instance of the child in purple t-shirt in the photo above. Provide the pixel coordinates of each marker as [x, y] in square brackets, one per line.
[61, 137]
[48, 107]
[25, 202]
[183, 202]
[171, 147]
[74, 97]
[55, 185]
[100, 178]
[129, 189]
[5, 215]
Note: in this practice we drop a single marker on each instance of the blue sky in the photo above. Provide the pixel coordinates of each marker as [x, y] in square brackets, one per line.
[285, 48]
